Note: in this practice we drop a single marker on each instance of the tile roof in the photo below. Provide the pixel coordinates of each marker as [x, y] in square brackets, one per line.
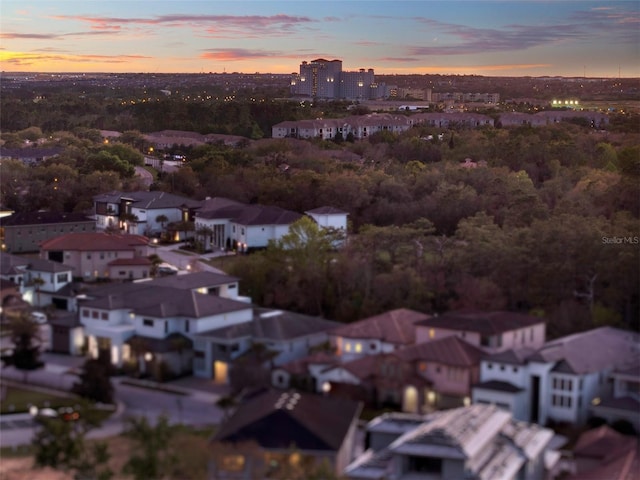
[395, 326]
[41, 218]
[591, 351]
[94, 241]
[450, 350]
[603, 443]
[282, 420]
[486, 323]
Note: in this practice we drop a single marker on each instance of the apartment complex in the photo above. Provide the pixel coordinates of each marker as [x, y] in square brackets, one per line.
[325, 79]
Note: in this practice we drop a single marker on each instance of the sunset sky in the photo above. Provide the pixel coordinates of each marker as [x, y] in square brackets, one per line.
[569, 38]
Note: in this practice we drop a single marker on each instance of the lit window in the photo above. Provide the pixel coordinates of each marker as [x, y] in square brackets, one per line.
[432, 333]
[347, 347]
[358, 347]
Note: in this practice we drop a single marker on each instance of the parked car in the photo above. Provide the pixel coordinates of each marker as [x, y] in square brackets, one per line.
[39, 317]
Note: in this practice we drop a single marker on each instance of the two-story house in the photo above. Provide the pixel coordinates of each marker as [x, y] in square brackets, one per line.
[623, 404]
[474, 442]
[39, 281]
[156, 320]
[561, 380]
[382, 333]
[100, 255]
[490, 331]
[142, 213]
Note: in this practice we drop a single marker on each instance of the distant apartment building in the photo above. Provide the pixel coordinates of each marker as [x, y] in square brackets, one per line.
[24, 232]
[325, 79]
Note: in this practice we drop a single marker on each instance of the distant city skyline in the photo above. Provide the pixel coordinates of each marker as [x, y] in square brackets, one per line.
[493, 38]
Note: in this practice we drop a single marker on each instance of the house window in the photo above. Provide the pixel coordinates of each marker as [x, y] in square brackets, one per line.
[88, 256]
[347, 347]
[94, 314]
[490, 366]
[186, 326]
[86, 313]
[104, 316]
[147, 322]
[515, 369]
[198, 354]
[358, 347]
[432, 333]
[63, 277]
[502, 368]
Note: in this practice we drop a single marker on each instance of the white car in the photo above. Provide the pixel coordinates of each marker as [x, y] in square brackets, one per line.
[38, 317]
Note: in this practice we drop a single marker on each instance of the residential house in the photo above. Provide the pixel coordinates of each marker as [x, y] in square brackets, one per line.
[91, 255]
[418, 378]
[302, 373]
[491, 331]
[67, 333]
[143, 213]
[156, 322]
[474, 442]
[287, 430]
[30, 155]
[382, 333]
[285, 337]
[623, 405]
[23, 232]
[39, 281]
[561, 380]
[232, 225]
[225, 224]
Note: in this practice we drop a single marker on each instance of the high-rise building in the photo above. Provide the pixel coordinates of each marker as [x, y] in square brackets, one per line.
[324, 79]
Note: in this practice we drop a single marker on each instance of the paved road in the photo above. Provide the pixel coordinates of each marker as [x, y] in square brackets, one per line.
[196, 407]
[147, 177]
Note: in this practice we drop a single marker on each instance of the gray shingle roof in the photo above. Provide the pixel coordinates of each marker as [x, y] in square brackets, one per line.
[149, 200]
[281, 420]
[43, 218]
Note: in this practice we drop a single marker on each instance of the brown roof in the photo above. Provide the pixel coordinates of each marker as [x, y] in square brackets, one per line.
[487, 323]
[448, 351]
[281, 420]
[602, 443]
[94, 241]
[396, 326]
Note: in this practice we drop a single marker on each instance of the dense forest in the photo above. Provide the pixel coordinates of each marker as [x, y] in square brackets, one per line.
[536, 219]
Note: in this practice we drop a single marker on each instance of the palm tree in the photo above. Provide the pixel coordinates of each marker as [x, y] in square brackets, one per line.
[38, 282]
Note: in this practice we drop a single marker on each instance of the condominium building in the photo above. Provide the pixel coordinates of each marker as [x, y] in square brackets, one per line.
[325, 79]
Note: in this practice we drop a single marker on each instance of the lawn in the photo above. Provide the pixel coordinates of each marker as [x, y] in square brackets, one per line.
[21, 398]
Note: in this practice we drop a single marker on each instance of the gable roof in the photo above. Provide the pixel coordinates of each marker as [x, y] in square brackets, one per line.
[603, 443]
[512, 356]
[485, 323]
[94, 241]
[395, 326]
[164, 302]
[13, 264]
[591, 351]
[278, 325]
[280, 420]
[301, 366]
[450, 350]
